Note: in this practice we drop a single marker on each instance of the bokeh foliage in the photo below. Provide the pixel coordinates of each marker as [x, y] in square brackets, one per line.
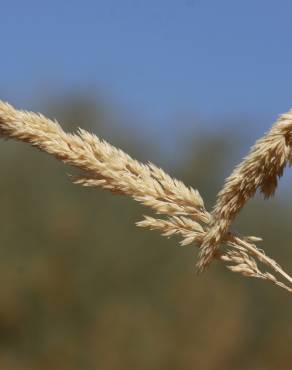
[83, 288]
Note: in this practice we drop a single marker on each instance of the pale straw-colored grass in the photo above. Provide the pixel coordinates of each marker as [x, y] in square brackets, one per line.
[181, 207]
[259, 170]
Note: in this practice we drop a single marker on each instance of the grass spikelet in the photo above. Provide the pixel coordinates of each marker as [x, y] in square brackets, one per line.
[259, 170]
[181, 207]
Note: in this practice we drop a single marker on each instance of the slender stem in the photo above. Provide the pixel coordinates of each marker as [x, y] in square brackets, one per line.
[262, 257]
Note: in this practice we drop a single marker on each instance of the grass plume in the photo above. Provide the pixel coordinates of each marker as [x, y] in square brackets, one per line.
[181, 207]
[259, 170]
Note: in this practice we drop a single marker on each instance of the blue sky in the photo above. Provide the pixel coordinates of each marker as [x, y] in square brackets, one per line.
[156, 59]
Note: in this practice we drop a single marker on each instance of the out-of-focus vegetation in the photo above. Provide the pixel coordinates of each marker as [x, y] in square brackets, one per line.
[83, 289]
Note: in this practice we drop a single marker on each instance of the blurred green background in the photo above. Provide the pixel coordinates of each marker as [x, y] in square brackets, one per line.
[189, 85]
[83, 288]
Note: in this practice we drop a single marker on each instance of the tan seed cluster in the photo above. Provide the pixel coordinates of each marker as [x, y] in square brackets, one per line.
[259, 170]
[104, 165]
